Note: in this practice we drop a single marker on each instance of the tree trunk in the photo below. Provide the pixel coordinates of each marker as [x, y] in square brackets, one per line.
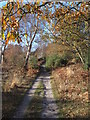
[80, 56]
[27, 55]
[29, 51]
[2, 54]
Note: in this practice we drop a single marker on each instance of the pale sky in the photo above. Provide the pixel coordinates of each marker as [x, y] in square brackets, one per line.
[2, 3]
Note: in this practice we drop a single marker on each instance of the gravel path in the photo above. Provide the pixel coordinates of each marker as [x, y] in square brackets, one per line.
[50, 109]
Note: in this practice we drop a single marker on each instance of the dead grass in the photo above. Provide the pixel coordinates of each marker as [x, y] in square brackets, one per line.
[14, 89]
[70, 86]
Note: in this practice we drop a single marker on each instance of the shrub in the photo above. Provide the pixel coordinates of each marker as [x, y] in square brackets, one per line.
[86, 64]
[87, 59]
[52, 61]
[55, 60]
[33, 62]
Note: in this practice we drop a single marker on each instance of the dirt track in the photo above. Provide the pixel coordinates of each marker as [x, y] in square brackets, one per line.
[50, 109]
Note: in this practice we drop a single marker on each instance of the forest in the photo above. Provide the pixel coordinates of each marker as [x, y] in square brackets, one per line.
[45, 43]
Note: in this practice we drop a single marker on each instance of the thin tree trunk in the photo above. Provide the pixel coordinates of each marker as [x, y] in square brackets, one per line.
[80, 56]
[29, 51]
[2, 54]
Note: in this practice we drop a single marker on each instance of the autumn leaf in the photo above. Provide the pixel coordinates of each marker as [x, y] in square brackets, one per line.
[3, 36]
[18, 3]
[4, 22]
[72, 4]
[7, 40]
[14, 40]
[4, 28]
[12, 18]
[7, 19]
[8, 35]
[12, 37]
[18, 12]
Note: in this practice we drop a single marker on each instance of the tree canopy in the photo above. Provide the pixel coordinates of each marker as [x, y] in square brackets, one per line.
[66, 22]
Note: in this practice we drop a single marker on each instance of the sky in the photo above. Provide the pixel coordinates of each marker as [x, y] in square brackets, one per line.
[2, 3]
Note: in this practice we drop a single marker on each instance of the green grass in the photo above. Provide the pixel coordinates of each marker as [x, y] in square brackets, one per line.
[56, 96]
[35, 107]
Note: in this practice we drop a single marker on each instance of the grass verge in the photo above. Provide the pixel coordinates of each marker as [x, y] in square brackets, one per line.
[56, 96]
[35, 107]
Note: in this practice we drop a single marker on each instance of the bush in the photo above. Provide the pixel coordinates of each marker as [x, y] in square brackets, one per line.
[55, 60]
[52, 61]
[33, 62]
[87, 59]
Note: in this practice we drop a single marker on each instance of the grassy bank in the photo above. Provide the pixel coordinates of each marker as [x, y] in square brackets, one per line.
[70, 88]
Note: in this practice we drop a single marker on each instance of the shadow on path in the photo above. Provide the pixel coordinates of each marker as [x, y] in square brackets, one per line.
[50, 109]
